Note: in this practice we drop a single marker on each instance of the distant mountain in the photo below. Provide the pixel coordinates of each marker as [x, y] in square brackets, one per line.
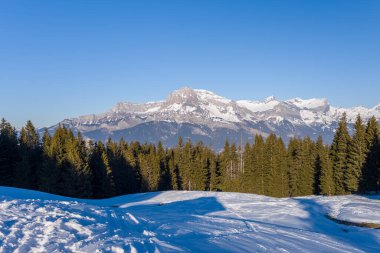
[203, 115]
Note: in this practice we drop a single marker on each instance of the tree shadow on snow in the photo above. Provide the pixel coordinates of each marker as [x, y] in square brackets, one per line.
[360, 238]
[184, 224]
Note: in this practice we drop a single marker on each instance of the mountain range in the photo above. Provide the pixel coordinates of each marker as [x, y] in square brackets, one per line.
[201, 115]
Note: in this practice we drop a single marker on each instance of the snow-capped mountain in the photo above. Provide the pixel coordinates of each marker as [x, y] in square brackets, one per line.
[203, 115]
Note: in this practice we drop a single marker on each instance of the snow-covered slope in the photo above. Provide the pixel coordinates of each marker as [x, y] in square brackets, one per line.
[185, 222]
[203, 115]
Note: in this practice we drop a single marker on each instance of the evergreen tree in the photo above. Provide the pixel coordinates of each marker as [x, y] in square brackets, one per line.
[257, 173]
[9, 153]
[30, 157]
[47, 174]
[214, 173]
[280, 175]
[186, 166]
[78, 159]
[270, 165]
[357, 152]
[307, 173]
[163, 173]
[324, 176]
[339, 150]
[294, 162]
[370, 178]
[173, 170]
[248, 168]
[225, 166]
[180, 163]
[103, 184]
[230, 168]
[131, 153]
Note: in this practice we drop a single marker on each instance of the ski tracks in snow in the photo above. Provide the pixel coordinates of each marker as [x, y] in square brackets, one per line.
[188, 222]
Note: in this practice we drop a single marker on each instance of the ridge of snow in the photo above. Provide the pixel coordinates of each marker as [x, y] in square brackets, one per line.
[258, 106]
[308, 103]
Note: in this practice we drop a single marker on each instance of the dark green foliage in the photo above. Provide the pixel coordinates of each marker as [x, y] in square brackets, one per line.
[294, 163]
[257, 173]
[8, 153]
[357, 153]
[323, 179]
[370, 181]
[103, 184]
[66, 164]
[29, 163]
[280, 175]
[339, 151]
[47, 175]
[307, 172]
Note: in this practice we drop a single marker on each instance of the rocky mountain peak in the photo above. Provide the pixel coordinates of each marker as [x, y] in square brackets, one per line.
[183, 95]
[270, 99]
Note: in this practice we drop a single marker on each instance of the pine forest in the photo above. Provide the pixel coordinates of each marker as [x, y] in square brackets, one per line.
[66, 164]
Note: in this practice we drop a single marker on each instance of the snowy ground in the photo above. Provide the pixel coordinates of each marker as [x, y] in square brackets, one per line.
[185, 222]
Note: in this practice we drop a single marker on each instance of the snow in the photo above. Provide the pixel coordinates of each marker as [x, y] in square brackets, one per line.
[153, 109]
[308, 103]
[181, 109]
[220, 112]
[206, 95]
[258, 106]
[353, 112]
[180, 221]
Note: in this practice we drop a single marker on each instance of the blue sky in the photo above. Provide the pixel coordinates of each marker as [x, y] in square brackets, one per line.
[62, 59]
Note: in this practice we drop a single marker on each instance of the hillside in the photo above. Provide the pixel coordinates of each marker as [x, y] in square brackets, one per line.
[180, 221]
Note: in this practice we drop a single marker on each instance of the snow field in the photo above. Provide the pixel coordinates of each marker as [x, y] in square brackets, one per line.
[180, 221]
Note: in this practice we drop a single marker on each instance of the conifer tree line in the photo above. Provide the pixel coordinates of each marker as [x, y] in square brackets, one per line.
[65, 164]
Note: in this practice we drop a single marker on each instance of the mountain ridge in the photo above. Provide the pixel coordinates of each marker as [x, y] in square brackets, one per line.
[199, 114]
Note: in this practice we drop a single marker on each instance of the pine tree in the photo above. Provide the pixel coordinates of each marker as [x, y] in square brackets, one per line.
[180, 164]
[163, 173]
[47, 174]
[258, 164]
[319, 148]
[230, 172]
[103, 184]
[280, 175]
[357, 152]
[294, 163]
[187, 165]
[131, 152]
[225, 166]
[77, 159]
[248, 168]
[270, 165]
[173, 170]
[30, 157]
[325, 181]
[339, 150]
[214, 173]
[307, 173]
[9, 153]
[58, 176]
[370, 178]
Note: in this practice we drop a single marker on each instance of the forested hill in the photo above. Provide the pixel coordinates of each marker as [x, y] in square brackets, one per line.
[66, 164]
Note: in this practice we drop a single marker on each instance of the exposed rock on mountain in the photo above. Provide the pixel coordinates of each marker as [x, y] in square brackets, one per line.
[203, 115]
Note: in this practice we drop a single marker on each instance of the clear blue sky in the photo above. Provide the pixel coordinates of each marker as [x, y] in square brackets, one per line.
[67, 58]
